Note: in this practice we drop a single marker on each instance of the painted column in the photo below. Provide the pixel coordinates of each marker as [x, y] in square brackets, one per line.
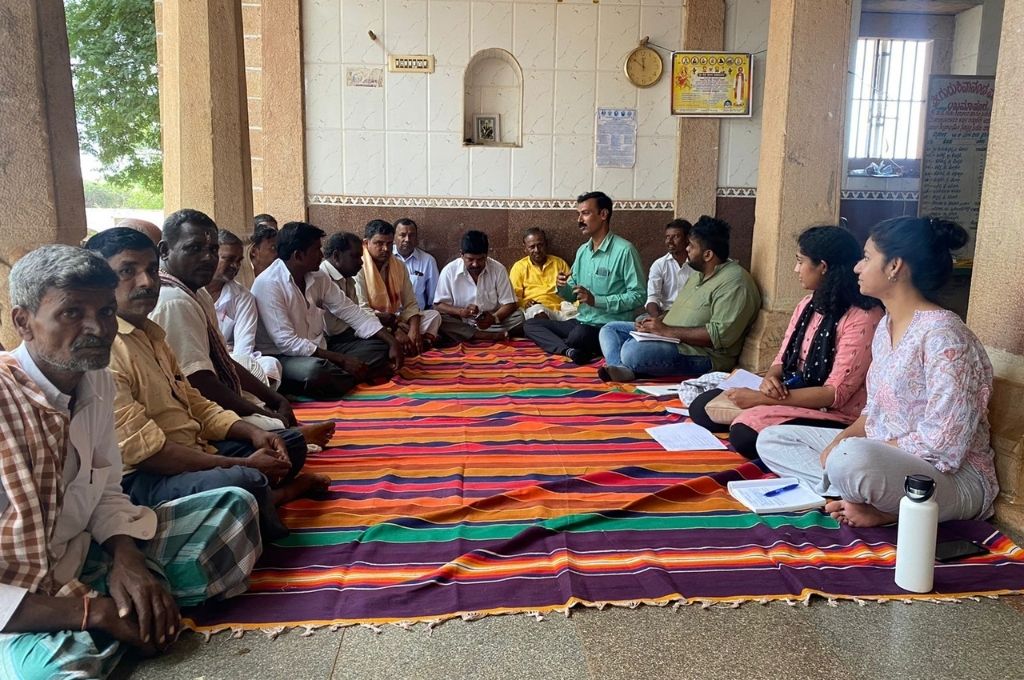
[203, 111]
[996, 309]
[40, 172]
[697, 162]
[802, 155]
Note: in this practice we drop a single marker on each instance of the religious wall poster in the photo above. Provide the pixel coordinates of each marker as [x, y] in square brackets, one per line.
[955, 144]
[711, 84]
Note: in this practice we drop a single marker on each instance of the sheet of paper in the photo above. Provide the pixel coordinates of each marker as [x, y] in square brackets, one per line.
[685, 437]
[741, 378]
[659, 390]
[643, 336]
[752, 494]
[678, 411]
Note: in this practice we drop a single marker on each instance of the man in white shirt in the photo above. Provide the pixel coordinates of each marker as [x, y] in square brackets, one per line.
[342, 261]
[670, 272]
[66, 540]
[421, 265]
[292, 296]
[474, 295]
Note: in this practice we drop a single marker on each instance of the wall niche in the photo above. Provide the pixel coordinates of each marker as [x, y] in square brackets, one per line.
[492, 111]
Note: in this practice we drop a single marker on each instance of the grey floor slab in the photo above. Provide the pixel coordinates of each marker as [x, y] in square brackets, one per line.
[496, 647]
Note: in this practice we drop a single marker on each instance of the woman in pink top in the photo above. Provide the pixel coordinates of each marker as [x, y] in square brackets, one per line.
[928, 392]
[817, 378]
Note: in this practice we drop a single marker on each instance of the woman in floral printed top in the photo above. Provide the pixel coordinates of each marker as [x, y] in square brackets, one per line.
[928, 392]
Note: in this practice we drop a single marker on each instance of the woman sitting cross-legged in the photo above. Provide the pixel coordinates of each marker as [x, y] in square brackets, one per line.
[817, 378]
[927, 394]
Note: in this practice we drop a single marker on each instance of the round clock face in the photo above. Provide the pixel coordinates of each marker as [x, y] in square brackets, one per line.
[643, 67]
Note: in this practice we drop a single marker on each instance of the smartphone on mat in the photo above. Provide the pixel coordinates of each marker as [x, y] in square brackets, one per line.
[950, 551]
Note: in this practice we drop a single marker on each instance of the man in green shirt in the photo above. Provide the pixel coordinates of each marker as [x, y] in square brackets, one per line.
[607, 279]
[704, 328]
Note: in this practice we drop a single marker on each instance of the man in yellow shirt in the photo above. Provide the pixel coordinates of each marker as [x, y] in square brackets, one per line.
[534, 280]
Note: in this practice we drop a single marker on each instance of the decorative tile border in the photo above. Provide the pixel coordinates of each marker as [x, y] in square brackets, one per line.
[847, 194]
[487, 203]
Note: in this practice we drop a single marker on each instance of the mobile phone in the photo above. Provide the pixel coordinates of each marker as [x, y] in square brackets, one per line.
[950, 551]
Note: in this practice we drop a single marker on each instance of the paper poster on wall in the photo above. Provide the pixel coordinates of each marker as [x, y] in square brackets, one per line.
[616, 138]
[711, 84]
[364, 77]
[955, 145]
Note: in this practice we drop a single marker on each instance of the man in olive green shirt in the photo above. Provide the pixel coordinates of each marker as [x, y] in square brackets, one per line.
[607, 279]
[704, 328]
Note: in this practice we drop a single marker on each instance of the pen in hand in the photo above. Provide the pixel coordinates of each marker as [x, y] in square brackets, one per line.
[781, 490]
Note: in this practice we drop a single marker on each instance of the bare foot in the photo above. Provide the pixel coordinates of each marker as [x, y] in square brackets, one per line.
[858, 514]
[484, 336]
[303, 485]
[318, 434]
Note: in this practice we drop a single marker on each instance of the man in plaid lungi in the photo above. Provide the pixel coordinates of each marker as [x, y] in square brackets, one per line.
[84, 572]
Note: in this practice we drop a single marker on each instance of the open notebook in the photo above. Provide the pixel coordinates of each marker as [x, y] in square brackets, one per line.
[751, 492]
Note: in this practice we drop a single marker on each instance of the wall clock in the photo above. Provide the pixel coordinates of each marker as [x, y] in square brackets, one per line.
[644, 65]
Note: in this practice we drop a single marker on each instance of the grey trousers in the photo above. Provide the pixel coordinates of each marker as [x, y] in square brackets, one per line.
[866, 471]
[458, 330]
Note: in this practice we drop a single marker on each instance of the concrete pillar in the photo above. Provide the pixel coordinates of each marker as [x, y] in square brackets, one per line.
[40, 173]
[996, 309]
[988, 42]
[283, 111]
[697, 161]
[203, 111]
[802, 156]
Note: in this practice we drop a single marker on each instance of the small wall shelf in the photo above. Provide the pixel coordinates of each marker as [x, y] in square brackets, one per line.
[493, 100]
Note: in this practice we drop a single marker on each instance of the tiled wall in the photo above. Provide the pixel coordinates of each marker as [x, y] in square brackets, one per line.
[406, 138]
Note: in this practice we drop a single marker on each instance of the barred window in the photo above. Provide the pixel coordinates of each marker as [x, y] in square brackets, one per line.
[889, 90]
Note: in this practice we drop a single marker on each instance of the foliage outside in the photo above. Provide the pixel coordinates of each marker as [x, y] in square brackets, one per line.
[107, 195]
[113, 57]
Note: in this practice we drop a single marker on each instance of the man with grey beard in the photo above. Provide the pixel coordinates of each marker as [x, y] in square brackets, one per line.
[67, 531]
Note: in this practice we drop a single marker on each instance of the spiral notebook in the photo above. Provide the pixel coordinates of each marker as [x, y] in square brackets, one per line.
[751, 493]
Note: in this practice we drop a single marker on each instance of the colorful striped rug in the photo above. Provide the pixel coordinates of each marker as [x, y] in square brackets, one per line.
[498, 479]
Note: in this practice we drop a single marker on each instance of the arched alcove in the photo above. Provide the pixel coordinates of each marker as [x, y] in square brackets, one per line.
[493, 86]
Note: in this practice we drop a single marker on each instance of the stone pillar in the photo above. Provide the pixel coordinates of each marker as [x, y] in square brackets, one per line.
[40, 173]
[988, 42]
[697, 161]
[203, 111]
[996, 309]
[283, 112]
[801, 161]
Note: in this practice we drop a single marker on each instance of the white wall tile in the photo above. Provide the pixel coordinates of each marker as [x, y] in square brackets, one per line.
[444, 100]
[364, 163]
[324, 162]
[531, 168]
[574, 165]
[407, 163]
[653, 103]
[490, 172]
[576, 36]
[448, 32]
[663, 24]
[362, 107]
[406, 97]
[615, 90]
[619, 33]
[666, 3]
[746, 30]
[574, 102]
[447, 165]
[323, 96]
[534, 35]
[492, 25]
[616, 182]
[538, 102]
[655, 171]
[747, 25]
[358, 17]
[405, 26]
[322, 44]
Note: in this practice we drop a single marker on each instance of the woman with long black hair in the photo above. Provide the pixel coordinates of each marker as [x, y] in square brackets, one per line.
[817, 378]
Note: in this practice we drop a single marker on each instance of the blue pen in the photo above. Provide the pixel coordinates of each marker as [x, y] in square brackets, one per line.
[781, 489]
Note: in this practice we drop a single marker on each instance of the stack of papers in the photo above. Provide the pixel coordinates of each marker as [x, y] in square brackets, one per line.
[751, 492]
[685, 437]
[741, 378]
[641, 336]
[659, 390]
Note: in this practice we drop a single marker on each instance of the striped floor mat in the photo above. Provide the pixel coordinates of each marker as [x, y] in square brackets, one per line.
[498, 479]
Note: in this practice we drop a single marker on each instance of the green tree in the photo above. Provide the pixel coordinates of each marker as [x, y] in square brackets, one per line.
[113, 63]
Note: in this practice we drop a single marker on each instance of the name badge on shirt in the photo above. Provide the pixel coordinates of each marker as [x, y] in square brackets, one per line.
[601, 271]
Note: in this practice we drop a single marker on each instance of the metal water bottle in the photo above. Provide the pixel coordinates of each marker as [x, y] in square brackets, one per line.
[915, 538]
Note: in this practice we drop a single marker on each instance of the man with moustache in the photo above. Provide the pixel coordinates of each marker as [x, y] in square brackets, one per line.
[606, 280]
[535, 280]
[173, 440]
[69, 531]
[421, 265]
[671, 271]
[706, 324]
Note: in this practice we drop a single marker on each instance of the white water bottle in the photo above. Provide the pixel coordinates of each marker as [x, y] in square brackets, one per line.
[915, 539]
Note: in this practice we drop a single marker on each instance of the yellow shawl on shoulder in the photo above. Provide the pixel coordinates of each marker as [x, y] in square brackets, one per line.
[384, 296]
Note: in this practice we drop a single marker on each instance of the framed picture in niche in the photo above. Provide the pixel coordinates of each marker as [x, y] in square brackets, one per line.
[486, 128]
